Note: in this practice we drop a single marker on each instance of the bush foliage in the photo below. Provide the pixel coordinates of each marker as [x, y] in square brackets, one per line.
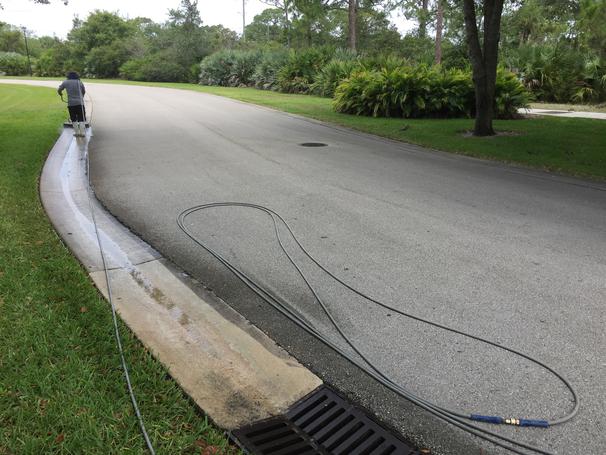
[332, 74]
[560, 74]
[229, 68]
[300, 71]
[154, 68]
[380, 86]
[265, 76]
[423, 92]
[13, 64]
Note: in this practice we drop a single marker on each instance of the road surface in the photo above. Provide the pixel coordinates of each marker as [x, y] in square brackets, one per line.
[515, 255]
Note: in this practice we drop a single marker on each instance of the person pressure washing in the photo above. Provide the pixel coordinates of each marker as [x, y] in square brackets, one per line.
[75, 101]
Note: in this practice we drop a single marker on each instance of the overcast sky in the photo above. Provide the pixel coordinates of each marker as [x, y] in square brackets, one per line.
[56, 18]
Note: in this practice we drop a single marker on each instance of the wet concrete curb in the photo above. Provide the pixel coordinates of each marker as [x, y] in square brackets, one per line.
[563, 113]
[232, 370]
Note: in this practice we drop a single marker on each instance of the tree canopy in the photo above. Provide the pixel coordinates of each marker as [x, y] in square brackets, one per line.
[557, 48]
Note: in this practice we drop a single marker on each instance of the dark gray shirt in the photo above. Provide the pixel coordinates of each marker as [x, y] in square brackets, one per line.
[75, 91]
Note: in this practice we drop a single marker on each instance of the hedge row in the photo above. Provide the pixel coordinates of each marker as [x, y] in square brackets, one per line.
[380, 87]
[423, 92]
[13, 64]
[316, 70]
[155, 68]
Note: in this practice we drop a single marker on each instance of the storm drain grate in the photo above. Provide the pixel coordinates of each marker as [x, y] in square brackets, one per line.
[323, 423]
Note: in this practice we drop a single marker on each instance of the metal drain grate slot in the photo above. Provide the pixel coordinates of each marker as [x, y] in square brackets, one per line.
[321, 424]
[309, 407]
[333, 428]
[354, 432]
[276, 437]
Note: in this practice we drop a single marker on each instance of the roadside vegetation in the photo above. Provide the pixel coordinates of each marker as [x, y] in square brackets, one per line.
[572, 146]
[550, 51]
[349, 52]
[62, 389]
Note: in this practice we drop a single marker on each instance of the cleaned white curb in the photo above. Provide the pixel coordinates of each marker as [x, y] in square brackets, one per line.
[233, 371]
[563, 113]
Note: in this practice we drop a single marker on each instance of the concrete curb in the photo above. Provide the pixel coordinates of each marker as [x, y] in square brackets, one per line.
[232, 370]
[562, 113]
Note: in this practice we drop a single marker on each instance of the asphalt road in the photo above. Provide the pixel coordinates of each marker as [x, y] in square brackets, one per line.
[514, 255]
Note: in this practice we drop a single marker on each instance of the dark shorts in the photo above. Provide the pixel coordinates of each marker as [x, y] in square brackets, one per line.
[77, 113]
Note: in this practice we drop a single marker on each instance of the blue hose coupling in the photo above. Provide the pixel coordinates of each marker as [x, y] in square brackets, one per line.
[534, 423]
[527, 423]
[487, 419]
[517, 422]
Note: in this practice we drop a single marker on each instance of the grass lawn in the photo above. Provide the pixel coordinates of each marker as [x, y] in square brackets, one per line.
[61, 385]
[567, 145]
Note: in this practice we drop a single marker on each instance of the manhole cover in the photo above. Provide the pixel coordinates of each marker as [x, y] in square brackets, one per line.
[313, 144]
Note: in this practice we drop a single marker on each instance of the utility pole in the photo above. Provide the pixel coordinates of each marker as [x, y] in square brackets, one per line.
[243, 19]
[29, 62]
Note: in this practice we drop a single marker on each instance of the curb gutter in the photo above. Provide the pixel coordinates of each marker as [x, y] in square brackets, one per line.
[232, 370]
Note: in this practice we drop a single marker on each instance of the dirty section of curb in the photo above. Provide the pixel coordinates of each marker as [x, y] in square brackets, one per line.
[233, 371]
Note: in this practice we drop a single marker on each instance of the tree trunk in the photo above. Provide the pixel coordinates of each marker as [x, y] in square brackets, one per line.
[309, 35]
[484, 109]
[484, 60]
[423, 19]
[286, 23]
[353, 24]
[439, 30]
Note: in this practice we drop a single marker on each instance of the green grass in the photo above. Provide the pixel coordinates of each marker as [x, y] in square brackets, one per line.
[61, 386]
[565, 145]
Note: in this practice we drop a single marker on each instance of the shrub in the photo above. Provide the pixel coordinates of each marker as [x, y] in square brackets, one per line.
[388, 62]
[345, 55]
[266, 72]
[510, 95]
[154, 68]
[423, 92]
[131, 69]
[384, 93]
[216, 68]
[105, 61]
[560, 73]
[229, 68]
[301, 68]
[51, 63]
[592, 85]
[13, 64]
[451, 94]
[244, 67]
[331, 75]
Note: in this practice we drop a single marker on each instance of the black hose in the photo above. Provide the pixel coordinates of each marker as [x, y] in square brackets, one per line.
[457, 418]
